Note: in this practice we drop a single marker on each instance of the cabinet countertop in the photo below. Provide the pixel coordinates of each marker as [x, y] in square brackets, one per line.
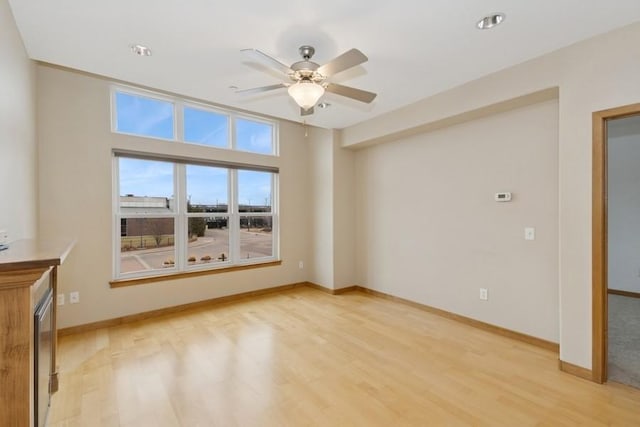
[34, 253]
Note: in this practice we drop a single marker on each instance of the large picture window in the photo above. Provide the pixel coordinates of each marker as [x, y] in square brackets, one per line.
[175, 213]
[177, 216]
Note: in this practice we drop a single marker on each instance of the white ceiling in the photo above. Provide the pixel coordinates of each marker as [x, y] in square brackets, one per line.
[416, 48]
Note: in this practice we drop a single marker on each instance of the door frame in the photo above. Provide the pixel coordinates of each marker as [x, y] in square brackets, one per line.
[599, 261]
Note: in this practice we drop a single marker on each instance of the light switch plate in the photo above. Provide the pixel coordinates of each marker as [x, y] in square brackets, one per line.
[529, 233]
[74, 297]
[4, 237]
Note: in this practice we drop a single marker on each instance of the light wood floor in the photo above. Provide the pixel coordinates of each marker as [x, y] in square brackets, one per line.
[306, 358]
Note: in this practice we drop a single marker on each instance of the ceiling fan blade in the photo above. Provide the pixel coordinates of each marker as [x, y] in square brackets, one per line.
[349, 59]
[304, 112]
[262, 88]
[351, 92]
[267, 60]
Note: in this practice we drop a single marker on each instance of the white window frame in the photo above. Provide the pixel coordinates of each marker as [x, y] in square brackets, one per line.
[180, 216]
[143, 94]
[178, 118]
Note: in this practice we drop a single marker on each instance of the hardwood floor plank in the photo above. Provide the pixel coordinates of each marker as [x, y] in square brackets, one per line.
[303, 357]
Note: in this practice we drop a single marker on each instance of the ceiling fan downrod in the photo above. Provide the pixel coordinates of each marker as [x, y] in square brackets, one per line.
[306, 52]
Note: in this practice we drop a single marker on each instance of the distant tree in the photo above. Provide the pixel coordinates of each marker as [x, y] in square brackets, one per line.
[155, 228]
[198, 225]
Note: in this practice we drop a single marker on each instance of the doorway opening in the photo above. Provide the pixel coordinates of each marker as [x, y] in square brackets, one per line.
[600, 237]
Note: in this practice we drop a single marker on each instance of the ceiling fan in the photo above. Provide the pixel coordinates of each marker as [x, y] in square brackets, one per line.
[309, 80]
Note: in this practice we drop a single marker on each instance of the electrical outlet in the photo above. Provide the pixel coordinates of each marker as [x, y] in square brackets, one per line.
[74, 297]
[60, 299]
[300, 265]
[484, 294]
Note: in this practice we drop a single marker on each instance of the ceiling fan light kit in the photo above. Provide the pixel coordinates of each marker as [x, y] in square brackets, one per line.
[310, 79]
[306, 93]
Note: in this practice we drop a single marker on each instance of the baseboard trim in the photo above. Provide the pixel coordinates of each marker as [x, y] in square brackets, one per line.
[623, 293]
[175, 309]
[324, 289]
[576, 370]
[538, 342]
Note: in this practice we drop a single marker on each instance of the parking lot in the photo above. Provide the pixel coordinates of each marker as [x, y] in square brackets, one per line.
[215, 244]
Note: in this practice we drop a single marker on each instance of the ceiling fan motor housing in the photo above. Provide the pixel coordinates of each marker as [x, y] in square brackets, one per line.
[305, 70]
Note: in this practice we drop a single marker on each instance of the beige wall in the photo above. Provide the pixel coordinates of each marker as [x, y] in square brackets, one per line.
[592, 75]
[321, 193]
[429, 229]
[75, 144]
[344, 215]
[18, 167]
[332, 194]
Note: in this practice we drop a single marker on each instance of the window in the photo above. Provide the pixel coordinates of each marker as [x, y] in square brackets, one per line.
[154, 116]
[253, 136]
[207, 215]
[206, 127]
[254, 206]
[178, 216]
[176, 213]
[146, 209]
[144, 116]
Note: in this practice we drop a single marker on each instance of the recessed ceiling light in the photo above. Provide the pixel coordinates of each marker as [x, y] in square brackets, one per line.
[324, 105]
[140, 50]
[490, 21]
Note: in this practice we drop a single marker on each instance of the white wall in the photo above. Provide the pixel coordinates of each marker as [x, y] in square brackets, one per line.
[593, 75]
[623, 158]
[75, 144]
[430, 231]
[18, 161]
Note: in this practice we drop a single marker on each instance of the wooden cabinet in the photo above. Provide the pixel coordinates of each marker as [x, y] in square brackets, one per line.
[27, 270]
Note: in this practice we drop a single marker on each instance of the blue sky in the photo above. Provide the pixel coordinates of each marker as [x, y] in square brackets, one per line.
[153, 117]
[205, 185]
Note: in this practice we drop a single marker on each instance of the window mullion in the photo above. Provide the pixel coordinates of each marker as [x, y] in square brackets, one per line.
[115, 203]
[275, 222]
[180, 216]
[179, 121]
[234, 220]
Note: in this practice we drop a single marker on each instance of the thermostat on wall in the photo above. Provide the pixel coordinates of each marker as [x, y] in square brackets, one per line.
[503, 197]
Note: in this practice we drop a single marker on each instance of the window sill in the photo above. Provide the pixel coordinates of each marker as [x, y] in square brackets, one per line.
[120, 283]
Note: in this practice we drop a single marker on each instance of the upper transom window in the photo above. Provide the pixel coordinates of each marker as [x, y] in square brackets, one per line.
[178, 120]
